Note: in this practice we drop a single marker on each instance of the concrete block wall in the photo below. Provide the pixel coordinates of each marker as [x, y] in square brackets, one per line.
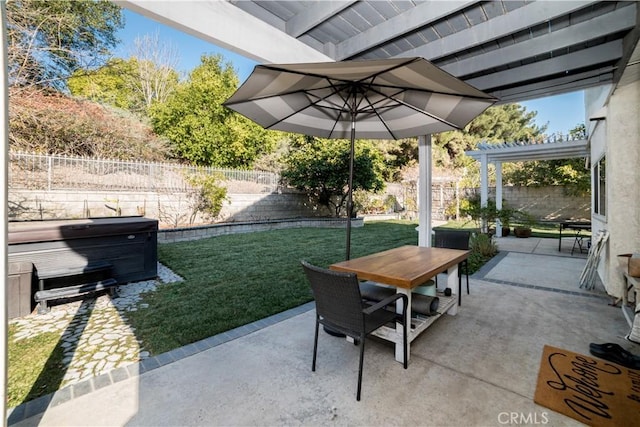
[174, 210]
[546, 203]
[183, 234]
[170, 209]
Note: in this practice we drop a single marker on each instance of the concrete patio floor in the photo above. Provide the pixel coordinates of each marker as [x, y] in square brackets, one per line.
[470, 369]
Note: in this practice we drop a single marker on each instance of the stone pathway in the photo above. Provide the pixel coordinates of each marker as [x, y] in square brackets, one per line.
[95, 334]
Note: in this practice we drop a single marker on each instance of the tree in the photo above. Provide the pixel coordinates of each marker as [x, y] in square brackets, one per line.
[203, 131]
[501, 123]
[131, 84]
[570, 173]
[156, 62]
[110, 84]
[49, 40]
[321, 169]
[505, 123]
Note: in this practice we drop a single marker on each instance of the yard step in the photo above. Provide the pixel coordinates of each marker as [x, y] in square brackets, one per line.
[72, 291]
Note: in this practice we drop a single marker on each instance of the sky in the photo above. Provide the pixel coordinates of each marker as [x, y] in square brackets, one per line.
[560, 113]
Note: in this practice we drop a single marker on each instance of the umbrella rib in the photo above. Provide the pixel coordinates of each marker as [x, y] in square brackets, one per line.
[412, 107]
[318, 99]
[375, 110]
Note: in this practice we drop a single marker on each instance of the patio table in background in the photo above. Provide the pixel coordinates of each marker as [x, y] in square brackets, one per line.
[580, 226]
[406, 268]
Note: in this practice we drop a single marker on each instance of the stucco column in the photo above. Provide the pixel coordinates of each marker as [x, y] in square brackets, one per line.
[498, 197]
[424, 191]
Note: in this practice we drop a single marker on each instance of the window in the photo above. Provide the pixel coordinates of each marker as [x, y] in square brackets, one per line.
[600, 187]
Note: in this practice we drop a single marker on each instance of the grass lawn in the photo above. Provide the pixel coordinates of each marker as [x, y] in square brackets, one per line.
[33, 367]
[229, 281]
[237, 279]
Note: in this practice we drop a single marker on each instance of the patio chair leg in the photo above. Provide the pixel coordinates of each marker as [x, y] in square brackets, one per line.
[315, 347]
[466, 272]
[360, 369]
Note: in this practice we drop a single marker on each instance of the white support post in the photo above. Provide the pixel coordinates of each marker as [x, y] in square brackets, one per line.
[452, 283]
[4, 112]
[424, 191]
[498, 197]
[484, 187]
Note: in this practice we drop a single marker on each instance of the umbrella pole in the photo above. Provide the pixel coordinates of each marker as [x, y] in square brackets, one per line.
[350, 193]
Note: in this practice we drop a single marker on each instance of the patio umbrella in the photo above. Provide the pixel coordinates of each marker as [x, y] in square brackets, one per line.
[374, 99]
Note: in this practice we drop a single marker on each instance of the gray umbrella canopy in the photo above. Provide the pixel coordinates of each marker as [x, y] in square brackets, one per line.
[378, 99]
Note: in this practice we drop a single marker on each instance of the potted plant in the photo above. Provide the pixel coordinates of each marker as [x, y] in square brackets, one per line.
[504, 215]
[525, 223]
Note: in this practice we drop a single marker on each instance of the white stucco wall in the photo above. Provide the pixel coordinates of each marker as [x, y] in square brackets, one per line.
[617, 137]
[623, 178]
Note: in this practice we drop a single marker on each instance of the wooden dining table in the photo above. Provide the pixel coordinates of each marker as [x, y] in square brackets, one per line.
[406, 268]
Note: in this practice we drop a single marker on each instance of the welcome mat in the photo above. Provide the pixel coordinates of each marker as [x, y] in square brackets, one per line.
[590, 390]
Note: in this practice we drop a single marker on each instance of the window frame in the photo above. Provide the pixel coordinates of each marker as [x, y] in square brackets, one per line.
[599, 184]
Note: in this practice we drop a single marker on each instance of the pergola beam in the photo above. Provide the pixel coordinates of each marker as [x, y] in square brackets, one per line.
[589, 57]
[520, 19]
[415, 18]
[545, 151]
[227, 26]
[581, 32]
[315, 15]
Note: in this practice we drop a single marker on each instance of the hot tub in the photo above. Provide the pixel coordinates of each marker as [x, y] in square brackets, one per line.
[129, 244]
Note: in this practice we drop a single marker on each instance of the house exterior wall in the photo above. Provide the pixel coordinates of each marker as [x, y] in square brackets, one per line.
[623, 179]
[617, 138]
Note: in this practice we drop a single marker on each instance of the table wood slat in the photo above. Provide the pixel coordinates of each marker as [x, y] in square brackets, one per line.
[405, 267]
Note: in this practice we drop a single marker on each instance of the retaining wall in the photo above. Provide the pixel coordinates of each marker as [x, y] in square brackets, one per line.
[171, 210]
[201, 232]
[174, 210]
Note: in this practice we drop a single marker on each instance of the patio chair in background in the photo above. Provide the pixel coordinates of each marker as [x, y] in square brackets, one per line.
[454, 239]
[339, 307]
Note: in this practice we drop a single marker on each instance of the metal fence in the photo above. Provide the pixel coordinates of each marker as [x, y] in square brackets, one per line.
[54, 172]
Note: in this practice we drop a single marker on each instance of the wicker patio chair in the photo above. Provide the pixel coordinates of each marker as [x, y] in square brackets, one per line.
[339, 307]
[454, 239]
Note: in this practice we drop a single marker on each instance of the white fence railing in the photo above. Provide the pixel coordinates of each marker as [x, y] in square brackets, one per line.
[55, 172]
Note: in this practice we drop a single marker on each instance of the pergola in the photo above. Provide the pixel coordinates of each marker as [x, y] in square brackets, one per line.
[520, 152]
[513, 50]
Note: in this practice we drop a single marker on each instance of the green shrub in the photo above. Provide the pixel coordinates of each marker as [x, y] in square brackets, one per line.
[207, 196]
[483, 248]
[391, 203]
